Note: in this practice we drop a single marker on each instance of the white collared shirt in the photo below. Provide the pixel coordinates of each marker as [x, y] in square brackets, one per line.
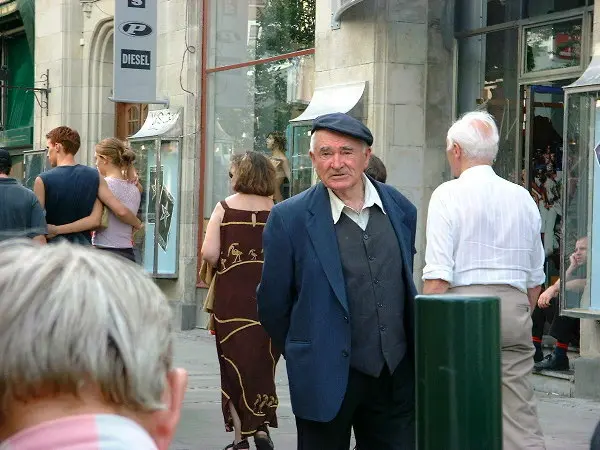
[361, 218]
[482, 229]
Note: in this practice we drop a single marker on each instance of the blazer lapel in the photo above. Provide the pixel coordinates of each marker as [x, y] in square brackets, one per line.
[396, 216]
[322, 234]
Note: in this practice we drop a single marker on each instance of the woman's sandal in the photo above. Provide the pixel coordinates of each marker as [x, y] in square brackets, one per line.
[263, 442]
[242, 445]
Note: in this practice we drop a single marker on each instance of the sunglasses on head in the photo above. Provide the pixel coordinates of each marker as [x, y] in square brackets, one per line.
[230, 175]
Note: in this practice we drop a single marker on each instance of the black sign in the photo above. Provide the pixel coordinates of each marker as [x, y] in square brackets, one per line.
[165, 215]
[135, 59]
[136, 3]
[135, 29]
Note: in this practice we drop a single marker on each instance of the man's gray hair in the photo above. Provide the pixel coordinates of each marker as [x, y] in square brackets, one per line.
[476, 134]
[71, 315]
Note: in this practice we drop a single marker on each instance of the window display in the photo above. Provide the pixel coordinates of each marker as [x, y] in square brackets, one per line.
[582, 178]
[158, 161]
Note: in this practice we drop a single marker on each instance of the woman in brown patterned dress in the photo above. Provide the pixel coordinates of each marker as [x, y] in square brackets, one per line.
[233, 244]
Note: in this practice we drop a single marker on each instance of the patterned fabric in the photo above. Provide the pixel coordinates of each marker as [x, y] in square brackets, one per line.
[85, 432]
[246, 357]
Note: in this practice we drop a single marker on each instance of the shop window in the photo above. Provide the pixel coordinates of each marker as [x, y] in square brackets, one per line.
[553, 46]
[582, 172]
[245, 106]
[471, 15]
[487, 77]
[533, 8]
[257, 29]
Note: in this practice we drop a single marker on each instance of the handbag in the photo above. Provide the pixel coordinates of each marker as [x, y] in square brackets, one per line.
[209, 276]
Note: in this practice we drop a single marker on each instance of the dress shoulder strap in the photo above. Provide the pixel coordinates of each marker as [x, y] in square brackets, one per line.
[224, 204]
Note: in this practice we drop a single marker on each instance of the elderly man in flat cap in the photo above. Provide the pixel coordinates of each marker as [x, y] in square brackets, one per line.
[337, 294]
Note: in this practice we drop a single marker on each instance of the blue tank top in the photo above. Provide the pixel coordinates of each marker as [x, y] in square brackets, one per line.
[70, 195]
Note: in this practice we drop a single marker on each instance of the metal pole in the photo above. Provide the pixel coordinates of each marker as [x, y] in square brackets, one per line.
[159, 179]
[458, 373]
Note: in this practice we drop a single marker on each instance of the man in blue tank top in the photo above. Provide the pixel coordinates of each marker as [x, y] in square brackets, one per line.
[73, 194]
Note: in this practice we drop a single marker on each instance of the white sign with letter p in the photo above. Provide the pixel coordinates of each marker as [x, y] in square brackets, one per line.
[134, 69]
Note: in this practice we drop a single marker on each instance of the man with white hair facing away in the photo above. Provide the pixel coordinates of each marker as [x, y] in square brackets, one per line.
[483, 238]
[86, 351]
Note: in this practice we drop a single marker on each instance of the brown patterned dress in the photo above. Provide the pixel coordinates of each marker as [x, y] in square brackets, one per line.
[246, 357]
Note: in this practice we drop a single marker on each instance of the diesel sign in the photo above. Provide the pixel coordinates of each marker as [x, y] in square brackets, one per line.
[135, 59]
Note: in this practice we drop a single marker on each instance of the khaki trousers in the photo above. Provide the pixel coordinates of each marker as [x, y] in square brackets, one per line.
[520, 425]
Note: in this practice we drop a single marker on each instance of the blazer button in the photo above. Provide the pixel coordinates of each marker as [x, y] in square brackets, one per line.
[346, 319]
[345, 354]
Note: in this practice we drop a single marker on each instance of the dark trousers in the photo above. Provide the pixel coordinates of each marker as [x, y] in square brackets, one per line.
[381, 410]
[126, 253]
[563, 328]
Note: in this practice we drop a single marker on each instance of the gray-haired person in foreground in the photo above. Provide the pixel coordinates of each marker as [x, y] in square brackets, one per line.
[86, 349]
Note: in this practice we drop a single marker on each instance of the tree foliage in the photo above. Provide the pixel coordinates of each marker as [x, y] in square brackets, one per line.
[285, 26]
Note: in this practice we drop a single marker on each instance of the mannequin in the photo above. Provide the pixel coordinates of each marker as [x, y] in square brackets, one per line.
[276, 145]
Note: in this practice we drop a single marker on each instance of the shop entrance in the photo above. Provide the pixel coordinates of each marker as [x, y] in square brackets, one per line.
[542, 165]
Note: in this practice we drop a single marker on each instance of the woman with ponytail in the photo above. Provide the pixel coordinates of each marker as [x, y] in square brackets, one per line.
[115, 163]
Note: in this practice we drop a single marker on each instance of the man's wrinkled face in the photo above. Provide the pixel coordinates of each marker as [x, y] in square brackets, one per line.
[339, 160]
[52, 151]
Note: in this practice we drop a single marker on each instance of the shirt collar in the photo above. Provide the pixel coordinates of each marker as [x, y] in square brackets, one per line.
[371, 198]
[483, 170]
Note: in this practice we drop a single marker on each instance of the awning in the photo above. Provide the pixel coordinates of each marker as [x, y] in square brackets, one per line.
[165, 123]
[590, 79]
[344, 98]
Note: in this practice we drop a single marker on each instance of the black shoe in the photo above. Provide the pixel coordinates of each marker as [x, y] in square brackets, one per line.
[553, 362]
[538, 356]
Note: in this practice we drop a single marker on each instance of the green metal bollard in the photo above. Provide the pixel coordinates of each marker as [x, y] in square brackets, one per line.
[458, 373]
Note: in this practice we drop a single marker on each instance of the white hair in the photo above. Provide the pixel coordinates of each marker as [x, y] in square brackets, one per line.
[476, 134]
[70, 315]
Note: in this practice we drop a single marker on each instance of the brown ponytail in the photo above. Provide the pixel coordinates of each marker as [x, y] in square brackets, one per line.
[118, 154]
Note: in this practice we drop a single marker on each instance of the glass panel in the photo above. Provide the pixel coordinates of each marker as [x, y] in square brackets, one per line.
[470, 15]
[487, 74]
[553, 46]
[545, 120]
[18, 167]
[575, 267]
[301, 164]
[246, 105]
[35, 163]
[255, 29]
[532, 8]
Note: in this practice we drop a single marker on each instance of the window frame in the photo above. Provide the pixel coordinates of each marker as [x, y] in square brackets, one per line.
[206, 71]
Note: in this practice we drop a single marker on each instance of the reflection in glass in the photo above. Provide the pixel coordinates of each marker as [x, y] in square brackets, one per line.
[255, 29]
[545, 119]
[247, 105]
[487, 75]
[470, 15]
[553, 46]
[532, 8]
[301, 164]
[577, 165]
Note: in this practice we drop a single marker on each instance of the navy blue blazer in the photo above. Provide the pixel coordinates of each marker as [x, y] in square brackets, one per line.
[302, 299]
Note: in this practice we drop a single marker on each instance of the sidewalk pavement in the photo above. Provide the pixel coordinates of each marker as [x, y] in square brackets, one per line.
[567, 423]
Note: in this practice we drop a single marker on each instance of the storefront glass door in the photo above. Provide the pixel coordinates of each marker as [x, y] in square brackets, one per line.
[542, 163]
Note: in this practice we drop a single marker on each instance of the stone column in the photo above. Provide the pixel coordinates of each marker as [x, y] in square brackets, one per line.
[397, 47]
[58, 29]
